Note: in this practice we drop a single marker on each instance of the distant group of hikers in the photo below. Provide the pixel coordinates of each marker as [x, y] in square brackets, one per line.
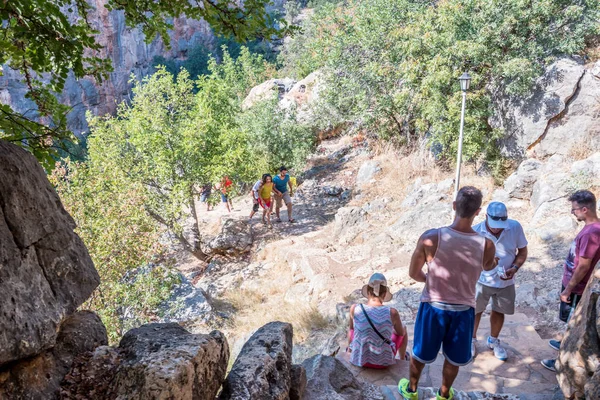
[225, 187]
[267, 192]
[268, 188]
[467, 266]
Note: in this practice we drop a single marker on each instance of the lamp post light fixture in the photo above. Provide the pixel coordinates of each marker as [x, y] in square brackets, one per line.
[465, 81]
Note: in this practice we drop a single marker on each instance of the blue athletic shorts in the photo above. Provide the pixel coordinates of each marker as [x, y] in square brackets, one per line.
[435, 327]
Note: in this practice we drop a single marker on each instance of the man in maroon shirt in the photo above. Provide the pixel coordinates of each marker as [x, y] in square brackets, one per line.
[581, 260]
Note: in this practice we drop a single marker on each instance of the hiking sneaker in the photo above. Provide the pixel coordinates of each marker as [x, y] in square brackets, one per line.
[438, 396]
[473, 347]
[499, 351]
[404, 392]
[555, 344]
[549, 364]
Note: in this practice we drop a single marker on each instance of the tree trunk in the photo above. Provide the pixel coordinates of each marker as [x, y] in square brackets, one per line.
[194, 247]
[197, 251]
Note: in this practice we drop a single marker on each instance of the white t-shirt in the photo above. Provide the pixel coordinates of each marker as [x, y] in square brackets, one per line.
[255, 188]
[511, 239]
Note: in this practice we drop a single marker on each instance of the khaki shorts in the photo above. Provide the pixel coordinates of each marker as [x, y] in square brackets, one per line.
[283, 199]
[503, 299]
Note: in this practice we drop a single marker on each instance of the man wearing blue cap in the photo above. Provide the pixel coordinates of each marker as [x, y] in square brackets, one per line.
[498, 284]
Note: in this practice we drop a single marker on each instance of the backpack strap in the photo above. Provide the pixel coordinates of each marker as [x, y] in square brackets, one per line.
[385, 340]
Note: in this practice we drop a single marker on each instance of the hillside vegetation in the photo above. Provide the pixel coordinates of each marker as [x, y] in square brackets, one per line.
[390, 71]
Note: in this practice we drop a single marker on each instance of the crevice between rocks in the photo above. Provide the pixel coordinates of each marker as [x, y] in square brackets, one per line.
[561, 114]
[8, 224]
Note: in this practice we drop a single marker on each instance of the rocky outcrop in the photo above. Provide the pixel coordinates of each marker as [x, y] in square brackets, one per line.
[40, 377]
[367, 172]
[558, 116]
[299, 96]
[235, 238]
[578, 364]
[155, 361]
[268, 90]
[186, 303]
[129, 53]
[45, 269]
[298, 382]
[349, 223]
[520, 183]
[263, 369]
[329, 379]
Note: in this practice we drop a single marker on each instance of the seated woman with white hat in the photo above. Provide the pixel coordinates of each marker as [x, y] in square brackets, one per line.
[376, 331]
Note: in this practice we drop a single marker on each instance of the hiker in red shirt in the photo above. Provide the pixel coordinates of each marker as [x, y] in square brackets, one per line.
[225, 187]
[583, 256]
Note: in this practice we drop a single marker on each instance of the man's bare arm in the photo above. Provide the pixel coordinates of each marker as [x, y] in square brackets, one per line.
[521, 257]
[489, 256]
[419, 257]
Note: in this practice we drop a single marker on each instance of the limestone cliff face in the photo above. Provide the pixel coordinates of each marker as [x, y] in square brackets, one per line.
[129, 53]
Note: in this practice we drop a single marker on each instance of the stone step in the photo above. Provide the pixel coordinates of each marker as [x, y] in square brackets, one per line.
[522, 374]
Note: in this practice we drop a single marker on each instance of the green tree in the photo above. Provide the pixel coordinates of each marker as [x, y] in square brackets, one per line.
[120, 237]
[171, 140]
[397, 62]
[275, 137]
[53, 37]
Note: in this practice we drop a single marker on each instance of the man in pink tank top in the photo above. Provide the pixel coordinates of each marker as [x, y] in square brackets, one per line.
[454, 256]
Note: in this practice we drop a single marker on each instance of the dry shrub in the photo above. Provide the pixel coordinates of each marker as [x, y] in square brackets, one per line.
[400, 168]
[582, 149]
[265, 303]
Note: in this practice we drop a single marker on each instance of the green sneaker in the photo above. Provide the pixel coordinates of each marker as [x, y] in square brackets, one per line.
[438, 396]
[403, 390]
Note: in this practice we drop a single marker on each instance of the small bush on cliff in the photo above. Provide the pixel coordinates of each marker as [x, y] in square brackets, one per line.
[393, 64]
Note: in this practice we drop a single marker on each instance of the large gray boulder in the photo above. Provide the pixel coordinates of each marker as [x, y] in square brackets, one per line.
[329, 379]
[234, 239]
[526, 120]
[164, 361]
[578, 364]
[45, 269]
[268, 90]
[154, 361]
[520, 184]
[349, 222]
[263, 369]
[40, 377]
[367, 172]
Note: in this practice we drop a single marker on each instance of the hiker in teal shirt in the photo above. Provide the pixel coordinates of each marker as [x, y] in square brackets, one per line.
[282, 181]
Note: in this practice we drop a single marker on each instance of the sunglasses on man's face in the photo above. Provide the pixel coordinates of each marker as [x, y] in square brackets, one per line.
[498, 218]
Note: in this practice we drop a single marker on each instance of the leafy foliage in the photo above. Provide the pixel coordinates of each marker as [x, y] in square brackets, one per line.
[275, 137]
[119, 236]
[171, 139]
[197, 62]
[54, 37]
[397, 62]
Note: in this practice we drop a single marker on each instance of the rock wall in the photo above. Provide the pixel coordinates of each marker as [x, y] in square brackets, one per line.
[45, 269]
[154, 361]
[130, 55]
[578, 364]
[560, 114]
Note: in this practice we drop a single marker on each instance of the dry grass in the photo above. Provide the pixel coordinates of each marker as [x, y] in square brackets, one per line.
[582, 150]
[265, 303]
[401, 167]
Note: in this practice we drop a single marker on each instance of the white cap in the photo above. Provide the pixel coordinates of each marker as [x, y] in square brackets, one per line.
[376, 281]
[495, 211]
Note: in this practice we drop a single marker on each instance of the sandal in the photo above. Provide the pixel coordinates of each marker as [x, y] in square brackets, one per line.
[278, 219]
[291, 221]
